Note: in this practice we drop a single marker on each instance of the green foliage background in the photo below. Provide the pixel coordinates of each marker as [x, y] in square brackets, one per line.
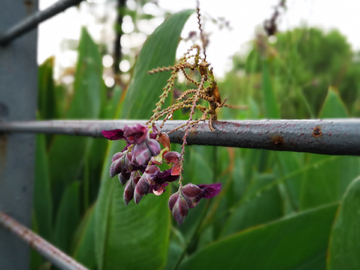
[277, 210]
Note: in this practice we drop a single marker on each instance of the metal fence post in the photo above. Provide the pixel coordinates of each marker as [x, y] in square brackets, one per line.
[18, 98]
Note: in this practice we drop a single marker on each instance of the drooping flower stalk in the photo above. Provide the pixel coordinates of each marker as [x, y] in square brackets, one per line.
[137, 166]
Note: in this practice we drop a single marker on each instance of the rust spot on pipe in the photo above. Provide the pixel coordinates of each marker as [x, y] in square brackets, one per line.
[277, 140]
[29, 4]
[317, 132]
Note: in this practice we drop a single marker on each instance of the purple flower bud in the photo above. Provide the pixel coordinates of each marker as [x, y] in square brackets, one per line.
[157, 179]
[117, 156]
[172, 156]
[115, 134]
[154, 134]
[192, 194]
[165, 176]
[123, 177]
[130, 186]
[135, 134]
[141, 154]
[152, 169]
[179, 207]
[210, 191]
[117, 166]
[142, 188]
[129, 192]
[154, 147]
[172, 200]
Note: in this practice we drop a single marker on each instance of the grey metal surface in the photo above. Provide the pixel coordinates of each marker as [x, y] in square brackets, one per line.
[53, 254]
[18, 89]
[328, 136]
[24, 25]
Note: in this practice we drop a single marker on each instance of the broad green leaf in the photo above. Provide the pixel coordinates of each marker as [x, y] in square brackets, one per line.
[66, 154]
[88, 83]
[42, 191]
[265, 207]
[68, 217]
[112, 105]
[158, 51]
[251, 161]
[175, 252]
[333, 106]
[199, 157]
[290, 162]
[137, 236]
[46, 97]
[345, 237]
[96, 151]
[271, 106]
[84, 243]
[327, 182]
[297, 242]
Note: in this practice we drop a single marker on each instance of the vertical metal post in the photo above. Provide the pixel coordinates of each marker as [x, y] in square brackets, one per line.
[18, 98]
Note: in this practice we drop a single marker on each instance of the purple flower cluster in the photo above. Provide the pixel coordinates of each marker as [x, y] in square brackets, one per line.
[136, 167]
[188, 197]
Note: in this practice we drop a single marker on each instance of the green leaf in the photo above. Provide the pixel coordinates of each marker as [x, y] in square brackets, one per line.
[158, 51]
[326, 183]
[88, 83]
[345, 237]
[265, 207]
[137, 236]
[333, 106]
[42, 191]
[66, 154]
[290, 162]
[68, 217]
[112, 105]
[84, 243]
[271, 107]
[46, 96]
[297, 242]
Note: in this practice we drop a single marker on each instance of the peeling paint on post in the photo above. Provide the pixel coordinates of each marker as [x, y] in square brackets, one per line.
[18, 97]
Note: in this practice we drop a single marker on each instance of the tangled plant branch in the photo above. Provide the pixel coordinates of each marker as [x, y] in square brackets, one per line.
[137, 165]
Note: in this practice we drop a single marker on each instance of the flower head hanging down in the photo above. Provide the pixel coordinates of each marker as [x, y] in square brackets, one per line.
[139, 156]
[188, 197]
[136, 166]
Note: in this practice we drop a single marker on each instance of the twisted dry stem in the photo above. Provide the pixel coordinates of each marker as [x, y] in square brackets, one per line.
[200, 28]
[188, 125]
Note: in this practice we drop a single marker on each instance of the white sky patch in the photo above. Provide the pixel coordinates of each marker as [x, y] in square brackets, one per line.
[127, 25]
[124, 65]
[107, 61]
[244, 17]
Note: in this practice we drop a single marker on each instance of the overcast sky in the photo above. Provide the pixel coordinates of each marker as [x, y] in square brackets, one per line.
[244, 17]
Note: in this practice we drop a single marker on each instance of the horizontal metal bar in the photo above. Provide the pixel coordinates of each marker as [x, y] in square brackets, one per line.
[33, 20]
[329, 136]
[50, 252]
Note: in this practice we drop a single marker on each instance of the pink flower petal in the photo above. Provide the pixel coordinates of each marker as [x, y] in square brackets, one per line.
[210, 191]
[115, 134]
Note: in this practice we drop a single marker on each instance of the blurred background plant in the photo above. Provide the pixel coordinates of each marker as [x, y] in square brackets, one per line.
[277, 210]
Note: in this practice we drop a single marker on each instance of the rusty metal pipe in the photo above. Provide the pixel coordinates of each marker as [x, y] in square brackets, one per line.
[50, 252]
[328, 136]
